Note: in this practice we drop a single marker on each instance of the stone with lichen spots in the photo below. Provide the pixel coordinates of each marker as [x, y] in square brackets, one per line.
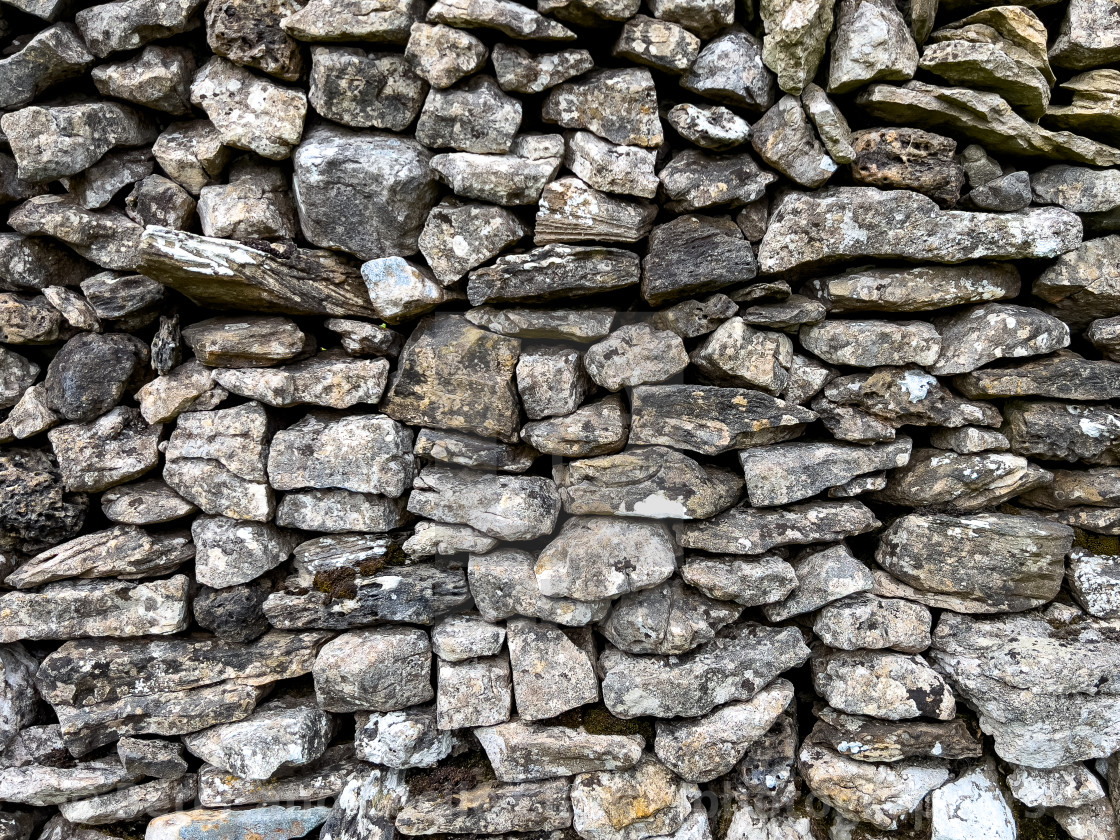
[667, 619]
[459, 236]
[1056, 431]
[709, 126]
[442, 55]
[695, 180]
[473, 692]
[364, 90]
[507, 507]
[915, 289]
[512, 179]
[338, 20]
[880, 684]
[618, 105]
[730, 70]
[611, 167]
[982, 334]
[647, 800]
[660, 44]
[504, 584]
[383, 669]
[747, 530]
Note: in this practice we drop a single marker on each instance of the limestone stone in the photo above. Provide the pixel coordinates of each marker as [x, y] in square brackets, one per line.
[882, 685]
[879, 342]
[114, 448]
[489, 808]
[1007, 194]
[232, 551]
[511, 179]
[646, 801]
[383, 669]
[667, 619]
[822, 577]
[113, 27]
[149, 502]
[159, 78]
[476, 453]
[460, 637]
[1063, 787]
[502, 506]
[105, 237]
[748, 581]
[596, 428]
[459, 236]
[795, 40]
[969, 440]
[553, 271]
[1087, 38]
[871, 43]
[506, 16]
[1083, 285]
[897, 396]
[1063, 431]
[360, 338]
[730, 70]
[617, 105]
[830, 123]
[156, 758]
[1077, 188]
[571, 211]
[747, 530]
[660, 44]
[474, 116]
[272, 823]
[705, 18]
[51, 56]
[329, 379]
[908, 158]
[974, 802]
[692, 254]
[551, 381]
[474, 692]
[191, 153]
[521, 751]
[866, 621]
[694, 180]
[504, 584]
[738, 355]
[255, 204]
[635, 355]
[521, 72]
[401, 739]
[1094, 580]
[873, 740]
[249, 33]
[430, 538]
[611, 167]
[551, 672]
[442, 55]
[338, 20]
[915, 289]
[991, 331]
[693, 318]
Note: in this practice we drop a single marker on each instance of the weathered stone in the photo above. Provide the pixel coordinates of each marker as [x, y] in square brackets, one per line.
[645, 801]
[459, 236]
[1062, 431]
[71, 609]
[1083, 285]
[868, 621]
[264, 277]
[879, 342]
[610, 167]
[660, 44]
[747, 530]
[692, 254]
[961, 482]
[969, 440]
[789, 472]
[618, 105]
[822, 577]
[521, 751]
[442, 55]
[1063, 787]
[452, 375]
[871, 43]
[106, 237]
[401, 739]
[248, 32]
[511, 179]
[521, 72]
[39, 785]
[738, 355]
[334, 381]
[1078, 189]
[53, 55]
[873, 740]
[1033, 680]
[489, 808]
[148, 502]
[89, 375]
[28, 320]
[967, 55]
[551, 673]
[597, 428]
[152, 757]
[1095, 582]
[993, 331]
[366, 806]
[503, 506]
[118, 26]
[326, 777]
[734, 666]
[1087, 37]
[882, 685]
[338, 20]
[366, 193]
[191, 153]
[161, 202]
[694, 180]
[553, 271]
[383, 670]
[694, 318]
[476, 453]
[915, 289]
[504, 584]
[707, 747]
[654, 482]
[475, 116]
[709, 126]
[988, 562]
[907, 158]
[255, 204]
[460, 637]
[750, 582]
[668, 619]
[159, 78]
[983, 117]
[729, 69]
[973, 803]
[271, 823]
[830, 123]
[233, 551]
[339, 511]
[506, 16]
[635, 355]
[131, 300]
[35, 510]
[795, 40]
[234, 614]
[788, 315]
[551, 380]
[571, 211]
[363, 339]
[34, 263]
[114, 448]
[474, 692]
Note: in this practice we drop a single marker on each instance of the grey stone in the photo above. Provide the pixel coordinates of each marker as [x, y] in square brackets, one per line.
[431, 538]
[961, 482]
[502, 506]
[891, 686]
[1062, 787]
[236, 613]
[366, 806]
[38, 785]
[1087, 37]
[915, 289]
[635, 355]
[871, 43]
[326, 777]
[476, 453]
[730, 70]
[363, 339]
[987, 562]
[401, 739]
[1104, 333]
[969, 440]
[521, 72]
[105, 237]
[18, 699]
[272, 823]
[339, 20]
[192, 154]
[520, 751]
[872, 740]
[1077, 188]
[17, 374]
[339, 511]
[738, 355]
[1062, 375]
[553, 271]
[255, 204]
[115, 448]
[460, 637]
[504, 584]
[611, 167]
[232, 551]
[694, 180]
[551, 672]
[131, 300]
[400, 290]
[597, 428]
[1096, 487]
[383, 670]
[1083, 285]
[334, 381]
[53, 55]
[579, 325]
[159, 78]
[474, 116]
[865, 621]
[337, 171]
[35, 263]
[618, 105]
[693, 254]
[506, 16]
[1063, 431]
[148, 502]
[747, 581]
[152, 757]
[248, 32]
[551, 380]
[646, 801]
[993, 331]
[789, 315]
[126, 25]
[734, 666]
[28, 320]
[95, 187]
[830, 123]
[511, 179]
[795, 40]
[822, 577]
[709, 126]
[899, 396]
[571, 211]
[705, 18]
[784, 138]
[91, 372]
[442, 55]
[1094, 580]
[693, 318]
[36, 511]
[489, 808]
[474, 692]
[459, 236]
[1007, 194]
[660, 44]
[747, 530]
[668, 619]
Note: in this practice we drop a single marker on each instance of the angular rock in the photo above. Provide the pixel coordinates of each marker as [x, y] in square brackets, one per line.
[730, 70]
[115, 448]
[747, 530]
[872, 740]
[597, 428]
[1063, 787]
[1083, 285]
[551, 673]
[504, 584]
[337, 20]
[489, 808]
[739, 355]
[229, 552]
[159, 78]
[635, 355]
[879, 342]
[511, 179]
[38, 785]
[89, 375]
[551, 380]
[442, 55]
[35, 511]
[693, 180]
[476, 453]
[521, 72]
[1063, 375]
[993, 331]
[156, 758]
[384, 669]
[915, 289]
[668, 619]
[553, 271]
[822, 577]
[610, 167]
[1094, 581]
[248, 32]
[1087, 37]
[618, 105]
[362, 339]
[324, 778]
[868, 621]
[785, 139]
[1063, 431]
[475, 692]
[255, 204]
[401, 739]
[459, 236]
[475, 116]
[460, 637]
[271, 823]
[907, 158]
[645, 801]
[882, 685]
[340, 511]
[106, 237]
[235, 614]
[1078, 189]
[790, 472]
[148, 502]
[503, 506]
[662, 45]
[961, 482]
[506, 16]
[693, 318]
[871, 43]
[692, 254]
[191, 153]
[521, 751]
[750, 582]
[334, 381]
[400, 290]
[53, 55]
[571, 211]
[899, 396]
[709, 126]
[831, 126]
[114, 27]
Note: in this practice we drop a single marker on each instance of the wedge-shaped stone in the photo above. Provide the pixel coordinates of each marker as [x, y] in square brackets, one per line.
[401, 739]
[474, 692]
[39, 785]
[1063, 787]
[988, 562]
[453, 375]
[901, 396]
[459, 236]
[712, 420]
[734, 666]
[871, 43]
[892, 686]
[653, 483]
[333, 381]
[870, 739]
[512, 179]
[105, 237]
[748, 530]
[618, 105]
[730, 69]
[935, 478]
[324, 778]
[1078, 189]
[224, 274]
[597, 428]
[523, 752]
[150, 798]
[551, 672]
[872, 343]
[580, 325]
[860, 222]
[504, 506]
[915, 289]
[1062, 376]
[993, 331]
[506, 16]
[521, 72]
[270, 823]
[789, 472]
[647, 800]
[125, 551]
[636, 354]
[504, 584]
[54, 55]
[707, 747]
[553, 271]
[609, 167]
[1036, 681]
[667, 619]
[693, 254]
[1097, 487]
[476, 453]
[490, 808]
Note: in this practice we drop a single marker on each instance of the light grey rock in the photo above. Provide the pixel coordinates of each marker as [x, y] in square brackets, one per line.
[611, 167]
[709, 126]
[891, 686]
[474, 692]
[879, 342]
[158, 77]
[340, 511]
[504, 584]
[1082, 285]
[1063, 431]
[899, 396]
[521, 72]
[597, 428]
[125, 552]
[993, 331]
[115, 448]
[1008, 194]
[969, 440]
[366, 806]
[645, 801]
[1094, 580]
[1078, 189]
[29, 320]
[187, 387]
[452, 375]
[571, 211]
[192, 154]
[363, 339]
[830, 123]
[595, 557]
[660, 44]
[707, 747]
[551, 672]
[365, 89]
[795, 40]
[73, 609]
[822, 577]
[961, 482]
[248, 32]
[915, 289]
[790, 472]
[1087, 37]
[506, 16]
[255, 204]
[987, 562]
[590, 12]
[634, 355]
[705, 18]
[694, 180]
[442, 55]
[747, 530]
[323, 778]
[1062, 787]
[474, 116]
[891, 224]
[460, 637]
[866, 621]
[330, 380]
[18, 699]
[489, 808]
[789, 315]
[871, 43]
[152, 757]
[974, 802]
[785, 139]
[272, 822]
[366, 193]
[278, 734]
[113, 27]
[739, 355]
[617, 105]
[734, 666]
[694, 318]
[730, 70]
[653, 483]
[430, 538]
[149, 502]
[502, 506]
[1062, 375]
[401, 739]
[511, 179]
[384, 669]
[39, 785]
[337, 20]
[521, 751]
[668, 619]
[459, 236]
[551, 380]
[553, 271]
[474, 452]
[95, 187]
[692, 254]
[53, 55]
[217, 460]
[106, 237]
[750, 582]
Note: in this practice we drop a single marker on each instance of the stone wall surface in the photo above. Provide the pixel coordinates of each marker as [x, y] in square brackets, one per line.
[692, 419]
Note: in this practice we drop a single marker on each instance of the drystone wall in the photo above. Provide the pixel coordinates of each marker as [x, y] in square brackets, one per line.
[693, 420]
